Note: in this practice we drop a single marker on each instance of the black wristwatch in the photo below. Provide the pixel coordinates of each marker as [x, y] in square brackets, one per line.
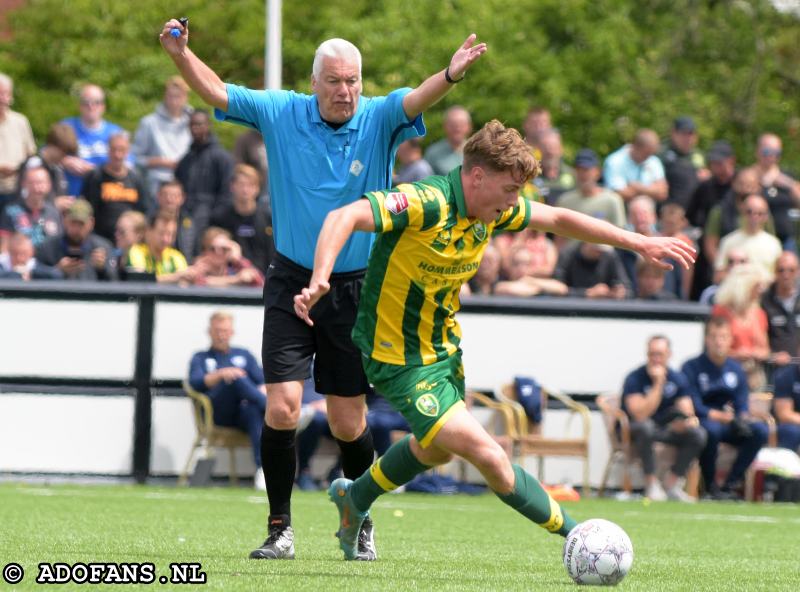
[451, 80]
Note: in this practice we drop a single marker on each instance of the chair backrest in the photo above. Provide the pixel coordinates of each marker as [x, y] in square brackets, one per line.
[614, 418]
[202, 410]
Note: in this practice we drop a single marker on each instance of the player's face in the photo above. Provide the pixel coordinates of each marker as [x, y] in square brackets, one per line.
[338, 89]
[221, 332]
[494, 193]
[718, 341]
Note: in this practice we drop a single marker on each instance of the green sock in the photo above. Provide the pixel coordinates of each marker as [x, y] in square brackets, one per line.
[533, 502]
[395, 468]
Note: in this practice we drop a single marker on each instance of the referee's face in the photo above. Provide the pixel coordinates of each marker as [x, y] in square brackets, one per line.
[338, 89]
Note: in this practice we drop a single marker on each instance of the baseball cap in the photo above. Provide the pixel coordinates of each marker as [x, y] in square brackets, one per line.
[685, 124]
[80, 210]
[719, 150]
[586, 158]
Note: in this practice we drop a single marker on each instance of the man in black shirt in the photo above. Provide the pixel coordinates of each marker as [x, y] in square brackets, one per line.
[248, 221]
[684, 165]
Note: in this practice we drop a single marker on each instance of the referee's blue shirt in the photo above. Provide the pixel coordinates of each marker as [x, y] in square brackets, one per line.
[314, 169]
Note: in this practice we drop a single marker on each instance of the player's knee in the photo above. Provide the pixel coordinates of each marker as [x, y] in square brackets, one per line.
[492, 459]
[347, 427]
[282, 415]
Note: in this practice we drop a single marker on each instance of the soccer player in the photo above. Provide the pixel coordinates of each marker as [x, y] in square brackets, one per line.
[324, 150]
[432, 235]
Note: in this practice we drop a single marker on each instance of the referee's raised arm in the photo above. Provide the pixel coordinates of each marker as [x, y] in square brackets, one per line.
[439, 84]
[202, 79]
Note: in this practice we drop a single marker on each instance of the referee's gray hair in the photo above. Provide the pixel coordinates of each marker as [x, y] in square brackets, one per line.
[336, 48]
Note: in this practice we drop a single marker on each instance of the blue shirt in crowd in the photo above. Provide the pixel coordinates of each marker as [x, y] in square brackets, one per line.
[620, 170]
[787, 384]
[205, 362]
[315, 169]
[675, 386]
[92, 147]
[714, 386]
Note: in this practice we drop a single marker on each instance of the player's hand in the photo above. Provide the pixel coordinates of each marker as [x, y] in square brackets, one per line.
[174, 46]
[465, 56]
[655, 249]
[305, 300]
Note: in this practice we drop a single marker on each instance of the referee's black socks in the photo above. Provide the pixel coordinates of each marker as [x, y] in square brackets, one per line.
[357, 456]
[279, 461]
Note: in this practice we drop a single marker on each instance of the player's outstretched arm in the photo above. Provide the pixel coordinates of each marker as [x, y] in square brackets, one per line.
[579, 226]
[202, 79]
[339, 225]
[437, 85]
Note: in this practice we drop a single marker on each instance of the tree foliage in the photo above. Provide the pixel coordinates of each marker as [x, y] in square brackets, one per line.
[604, 67]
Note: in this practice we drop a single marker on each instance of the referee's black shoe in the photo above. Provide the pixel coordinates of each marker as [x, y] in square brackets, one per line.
[366, 541]
[279, 543]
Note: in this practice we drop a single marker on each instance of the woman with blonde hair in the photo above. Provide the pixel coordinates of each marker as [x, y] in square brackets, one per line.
[738, 300]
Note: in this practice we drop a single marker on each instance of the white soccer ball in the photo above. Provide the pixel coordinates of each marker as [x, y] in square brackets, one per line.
[598, 552]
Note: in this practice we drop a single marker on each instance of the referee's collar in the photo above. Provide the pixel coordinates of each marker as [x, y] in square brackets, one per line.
[351, 124]
[454, 177]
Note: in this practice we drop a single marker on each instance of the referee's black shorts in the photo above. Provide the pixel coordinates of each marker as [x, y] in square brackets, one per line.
[289, 345]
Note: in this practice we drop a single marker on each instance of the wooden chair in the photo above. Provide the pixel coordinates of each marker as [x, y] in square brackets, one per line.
[619, 437]
[209, 435]
[529, 440]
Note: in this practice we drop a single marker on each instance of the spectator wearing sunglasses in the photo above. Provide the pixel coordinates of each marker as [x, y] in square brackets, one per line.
[761, 248]
[781, 191]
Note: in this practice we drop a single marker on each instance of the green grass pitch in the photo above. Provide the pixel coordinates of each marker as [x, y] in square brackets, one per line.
[425, 542]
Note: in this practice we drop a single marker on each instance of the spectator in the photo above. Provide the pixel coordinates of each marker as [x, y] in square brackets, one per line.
[658, 401]
[738, 300]
[592, 271]
[221, 263]
[131, 228]
[251, 150]
[650, 282]
[762, 249]
[787, 406]
[488, 274]
[709, 193]
[556, 177]
[16, 141]
[114, 187]
[32, 215]
[448, 153]
[169, 202]
[522, 282]
[543, 253]
[93, 133]
[412, 166]
[728, 215]
[537, 121]
[635, 169]
[156, 257]
[248, 220]
[781, 191]
[782, 307]
[79, 254]
[163, 137]
[735, 257]
[672, 222]
[205, 173]
[719, 388]
[233, 380]
[642, 219]
[60, 143]
[589, 198]
[684, 165]
[20, 264]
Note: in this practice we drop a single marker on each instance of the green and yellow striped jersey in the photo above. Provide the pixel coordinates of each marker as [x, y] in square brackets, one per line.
[426, 249]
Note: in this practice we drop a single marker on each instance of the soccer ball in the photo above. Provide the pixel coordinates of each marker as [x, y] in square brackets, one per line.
[598, 552]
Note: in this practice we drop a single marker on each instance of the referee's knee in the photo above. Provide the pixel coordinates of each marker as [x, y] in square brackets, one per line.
[347, 428]
[282, 415]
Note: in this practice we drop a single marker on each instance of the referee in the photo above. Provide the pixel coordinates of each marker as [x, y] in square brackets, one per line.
[324, 150]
